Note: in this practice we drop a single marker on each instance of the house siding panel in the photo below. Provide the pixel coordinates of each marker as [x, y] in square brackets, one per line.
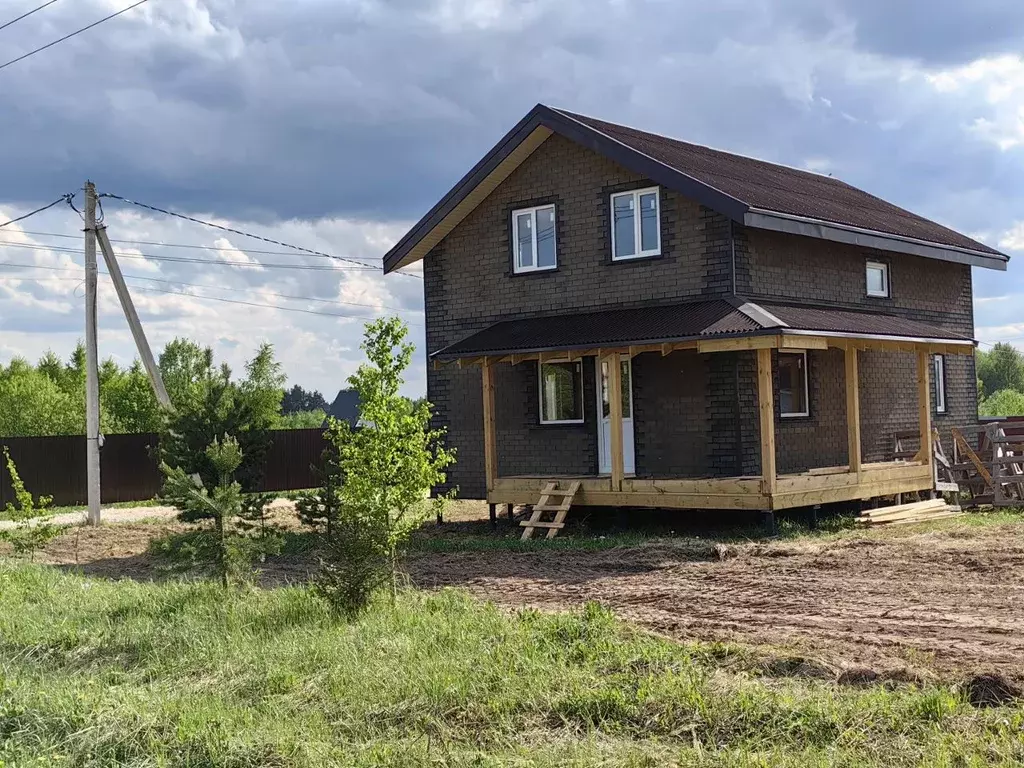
[670, 415]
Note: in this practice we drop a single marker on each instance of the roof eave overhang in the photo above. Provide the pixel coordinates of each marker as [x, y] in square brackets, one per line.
[842, 233]
[444, 355]
[961, 342]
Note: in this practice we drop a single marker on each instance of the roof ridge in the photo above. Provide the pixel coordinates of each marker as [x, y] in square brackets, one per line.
[665, 137]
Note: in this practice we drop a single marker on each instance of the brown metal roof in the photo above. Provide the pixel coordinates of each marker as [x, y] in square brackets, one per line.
[850, 321]
[642, 325]
[681, 322]
[751, 192]
[782, 189]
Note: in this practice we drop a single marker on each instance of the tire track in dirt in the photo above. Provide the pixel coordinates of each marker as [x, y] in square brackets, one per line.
[952, 601]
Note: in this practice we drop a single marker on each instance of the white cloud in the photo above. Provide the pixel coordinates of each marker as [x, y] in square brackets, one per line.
[999, 84]
[1013, 238]
[41, 305]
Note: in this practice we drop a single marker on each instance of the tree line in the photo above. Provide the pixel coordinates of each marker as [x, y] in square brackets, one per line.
[1000, 381]
[48, 398]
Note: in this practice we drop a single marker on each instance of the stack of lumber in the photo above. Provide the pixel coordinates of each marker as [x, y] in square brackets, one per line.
[906, 514]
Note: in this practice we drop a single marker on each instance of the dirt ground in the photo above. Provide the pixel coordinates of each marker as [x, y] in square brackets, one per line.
[949, 601]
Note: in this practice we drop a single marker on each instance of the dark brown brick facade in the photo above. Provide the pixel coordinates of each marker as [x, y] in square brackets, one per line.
[694, 415]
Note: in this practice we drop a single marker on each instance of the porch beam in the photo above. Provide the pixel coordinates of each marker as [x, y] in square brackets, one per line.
[615, 418]
[737, 345]
[924, 407]
[853, 409]
[802, 342]
[490, 436]
[766, 408]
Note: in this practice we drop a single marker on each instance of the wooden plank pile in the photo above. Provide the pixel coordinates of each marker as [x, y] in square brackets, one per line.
[991, 470]
[908, 514]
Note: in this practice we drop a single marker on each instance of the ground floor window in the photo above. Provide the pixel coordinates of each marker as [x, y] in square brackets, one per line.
[793, 400]
[939, 367]
[561, 393]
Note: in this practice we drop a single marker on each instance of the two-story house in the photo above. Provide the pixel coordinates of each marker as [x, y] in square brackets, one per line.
[674, 326]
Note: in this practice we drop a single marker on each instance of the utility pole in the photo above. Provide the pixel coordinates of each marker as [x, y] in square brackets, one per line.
[155, 378]
[92, 376]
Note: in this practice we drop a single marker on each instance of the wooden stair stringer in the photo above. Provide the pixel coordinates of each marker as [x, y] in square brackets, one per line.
[545, 506]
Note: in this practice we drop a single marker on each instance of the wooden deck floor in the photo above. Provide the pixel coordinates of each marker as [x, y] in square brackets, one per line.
[818, 486]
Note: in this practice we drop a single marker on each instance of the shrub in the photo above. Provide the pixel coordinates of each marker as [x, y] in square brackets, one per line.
[33, 529]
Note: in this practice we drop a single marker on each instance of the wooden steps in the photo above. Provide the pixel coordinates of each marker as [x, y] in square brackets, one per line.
[908, 514]
[545, 506]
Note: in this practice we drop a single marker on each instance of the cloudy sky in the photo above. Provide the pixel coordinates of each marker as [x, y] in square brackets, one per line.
[334, 124]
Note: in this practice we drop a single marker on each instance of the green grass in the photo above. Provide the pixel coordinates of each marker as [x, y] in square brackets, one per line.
[103, 673]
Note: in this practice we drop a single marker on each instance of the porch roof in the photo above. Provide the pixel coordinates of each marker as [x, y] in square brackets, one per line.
[734, 317]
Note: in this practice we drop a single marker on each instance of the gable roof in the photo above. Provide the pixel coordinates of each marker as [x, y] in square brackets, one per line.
[688, 321]
[751, 192]
[346, 407]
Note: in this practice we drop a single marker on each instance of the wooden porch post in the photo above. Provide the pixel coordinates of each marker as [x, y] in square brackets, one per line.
[490, 439]
[924, 405]
[615, 418]
[853, 409]
[766, 404]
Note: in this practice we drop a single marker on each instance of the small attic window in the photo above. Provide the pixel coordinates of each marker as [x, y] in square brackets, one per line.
[878, 279]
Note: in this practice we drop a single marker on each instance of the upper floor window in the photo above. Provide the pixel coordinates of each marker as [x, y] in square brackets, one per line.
[533, 238]
[793, 389]
[636, 224]
[939, 365]
[878, 279]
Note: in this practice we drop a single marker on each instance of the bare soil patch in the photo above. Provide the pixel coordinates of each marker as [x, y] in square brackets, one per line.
[947, 602]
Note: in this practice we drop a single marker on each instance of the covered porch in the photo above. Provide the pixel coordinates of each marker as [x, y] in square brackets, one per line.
[768, 490]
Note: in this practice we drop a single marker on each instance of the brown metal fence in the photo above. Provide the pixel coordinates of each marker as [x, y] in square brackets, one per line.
[55, 466]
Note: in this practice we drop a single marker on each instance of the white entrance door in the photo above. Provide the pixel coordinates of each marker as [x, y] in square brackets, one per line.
[605, 438]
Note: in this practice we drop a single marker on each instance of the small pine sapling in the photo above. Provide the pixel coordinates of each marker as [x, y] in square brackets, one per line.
[318, 508]
[32, 527]
[254, 518]
[233, 548]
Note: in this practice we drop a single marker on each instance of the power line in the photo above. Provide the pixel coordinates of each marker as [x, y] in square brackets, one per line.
[264, 306]
[213, 287]
[176, 245]
[62, 199]
[238, 231]
[76, 32]
[192, 260]
[26, 15]
[144, 289]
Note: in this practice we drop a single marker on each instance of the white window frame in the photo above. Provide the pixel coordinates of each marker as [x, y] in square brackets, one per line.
[517, 266]
[884, 268]
[636, 193]
[807, 389]
[540, 392]
[939, 374]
